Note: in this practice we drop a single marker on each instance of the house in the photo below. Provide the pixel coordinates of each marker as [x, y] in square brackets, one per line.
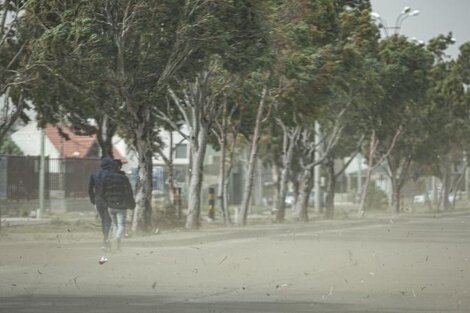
[28, 139]
[181, 160]
[69, 164]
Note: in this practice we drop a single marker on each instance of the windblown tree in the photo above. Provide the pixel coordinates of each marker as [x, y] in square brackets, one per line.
[67, 89]
[233, 44]
[134, 47]
[290, 137]
[302, 33]
[404, 75]
[353, 84]
[14, 58]
[447, 126]
[200, 108]
[27, 27]
[226, 130]
[463, 63]
[263, 110]
[320, 56]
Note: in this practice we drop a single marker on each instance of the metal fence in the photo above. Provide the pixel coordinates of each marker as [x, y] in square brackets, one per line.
[76, 175]
[19, 177]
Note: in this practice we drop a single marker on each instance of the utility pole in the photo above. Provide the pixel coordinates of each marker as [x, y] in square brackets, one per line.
[42, 171]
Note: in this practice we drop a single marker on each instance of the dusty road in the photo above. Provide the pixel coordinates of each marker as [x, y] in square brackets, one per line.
[389, 265]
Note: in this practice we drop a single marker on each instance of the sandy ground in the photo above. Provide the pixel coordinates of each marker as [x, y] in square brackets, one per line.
[372, 265]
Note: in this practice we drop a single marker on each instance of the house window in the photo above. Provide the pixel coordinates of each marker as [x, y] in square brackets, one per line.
[181, 151]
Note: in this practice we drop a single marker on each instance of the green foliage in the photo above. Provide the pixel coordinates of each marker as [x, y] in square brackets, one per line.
[78, 61]
[8, 147]
[463, 62]
[438, 45]
[376, 199]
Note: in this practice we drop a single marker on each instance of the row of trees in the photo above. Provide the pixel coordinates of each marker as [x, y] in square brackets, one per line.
[233, 72]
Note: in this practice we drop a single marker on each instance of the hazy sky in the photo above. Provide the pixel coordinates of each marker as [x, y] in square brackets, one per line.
[436, 17]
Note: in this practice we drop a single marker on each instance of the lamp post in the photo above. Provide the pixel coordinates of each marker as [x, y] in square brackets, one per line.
[404, 14]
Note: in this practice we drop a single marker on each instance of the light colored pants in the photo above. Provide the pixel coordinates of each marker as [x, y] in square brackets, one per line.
[118, 218]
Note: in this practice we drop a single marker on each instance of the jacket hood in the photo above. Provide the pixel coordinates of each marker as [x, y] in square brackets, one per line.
[107, 164]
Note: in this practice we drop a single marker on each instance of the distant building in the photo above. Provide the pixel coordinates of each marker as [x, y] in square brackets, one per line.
[28, 140]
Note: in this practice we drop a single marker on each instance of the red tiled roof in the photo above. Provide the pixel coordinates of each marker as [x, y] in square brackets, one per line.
[77, 147]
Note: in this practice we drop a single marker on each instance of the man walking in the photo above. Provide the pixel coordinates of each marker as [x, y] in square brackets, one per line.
[117, 194]
[95, 194]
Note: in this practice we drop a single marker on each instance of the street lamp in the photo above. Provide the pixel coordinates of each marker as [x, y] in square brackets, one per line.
[404, 14]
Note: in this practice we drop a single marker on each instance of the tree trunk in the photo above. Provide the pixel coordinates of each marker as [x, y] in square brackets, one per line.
[399, 170]
[276, 173]
[8, 119]
[173, 198]
[445, 187]
[143, 197]
[306, 185]
[373, 144]
[281, 212]
[330, 189]
[287, 160]
[4, 18]
[222, 179]
[227, 177]
[106, 131]
[454, 189]
[295, 187]
[242, 217]
[396, 195]
[198, 152]
[247, 190]
[172, 190]
[365, 187]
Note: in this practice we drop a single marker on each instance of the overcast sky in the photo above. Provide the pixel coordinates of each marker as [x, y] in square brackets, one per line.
[436, 17]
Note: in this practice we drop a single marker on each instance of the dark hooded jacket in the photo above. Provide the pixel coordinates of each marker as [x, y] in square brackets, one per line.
[95, 191]
[117, 191]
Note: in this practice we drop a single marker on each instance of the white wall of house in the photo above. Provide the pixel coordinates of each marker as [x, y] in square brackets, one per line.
[28, 139]
[379, 177]
[182, 152]
[131, 157]
[359, 162]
